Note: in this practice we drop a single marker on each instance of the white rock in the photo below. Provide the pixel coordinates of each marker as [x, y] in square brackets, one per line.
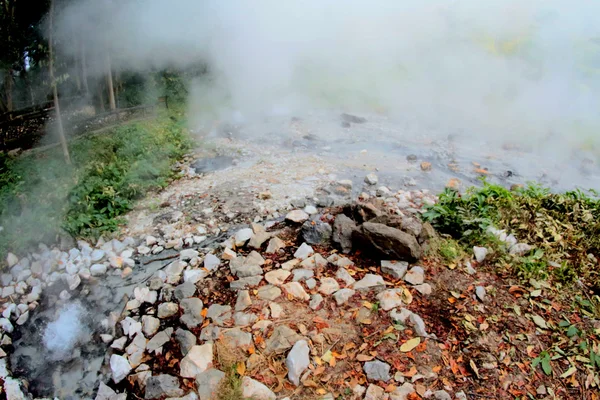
[296, 216]
[242, 236]
[188, 254]
[11, 260]
[297, 361]
[311, 210]
[255, 390]
[401, 316]
[390, 298]
[290, 265]
[311, 283]
[343, 295]
[194, 275]
[23, 318]
[228, 254]
[343, 275]
[12, 387]
[8, 291]
[131, 326]
[97, 255]
[119, 367]
[6, 325]
[277, 277]
[98, 269]
[274, 245]
[315, 301]
[520, 248]
[276, 310]
[415, 276]
[119, 343]
[369, 281]
[303, 252]
[243, 300]
[73, 281]
[424, 288]
[480, 292]
[480, 253]
[396, 269]
[328, 286]
[150, 325]
[296, 290]
[166, 310]
[197, 360]
[211, 262]
[371, 179]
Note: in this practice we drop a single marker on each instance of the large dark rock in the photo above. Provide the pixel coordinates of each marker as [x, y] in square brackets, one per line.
[343, 229]
[362, 212]
[407, 224]
[316, 232]
[388, 243]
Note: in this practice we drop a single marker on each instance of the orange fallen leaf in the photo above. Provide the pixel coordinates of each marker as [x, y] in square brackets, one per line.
[451, 300]
[204, 312]
[241, 368]
[364, 357]
[390, 388]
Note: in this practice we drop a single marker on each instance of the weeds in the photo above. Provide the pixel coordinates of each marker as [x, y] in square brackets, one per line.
[42, 199]
[564, 228]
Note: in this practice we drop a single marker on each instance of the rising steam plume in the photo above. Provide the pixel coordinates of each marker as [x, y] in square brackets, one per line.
[497, 68]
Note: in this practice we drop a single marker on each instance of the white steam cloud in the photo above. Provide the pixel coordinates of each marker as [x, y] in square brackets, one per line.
[61, 336]
[495, 68]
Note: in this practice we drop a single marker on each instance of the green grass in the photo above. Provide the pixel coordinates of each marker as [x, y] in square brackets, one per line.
[564, 228]
[42, 199]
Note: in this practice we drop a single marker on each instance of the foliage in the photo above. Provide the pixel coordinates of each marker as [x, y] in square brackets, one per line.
[563, 227]
[40, 197]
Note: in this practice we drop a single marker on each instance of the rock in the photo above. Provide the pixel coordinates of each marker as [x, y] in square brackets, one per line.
[316, 261]
[228, 254]
[520, 249]
[383, 191]
[371, 179]
[297, 361]
[98, 269]
[343, 229]
[11, 260]
[258, 240]
[166, 310]
[311, 210]
[311, 283]
[296, 290]
[243, 300]
[131, 326]
[324, 201]
[316, 232]
[268, 292]
[192, 312]
[255, 390]
[403, 392]
[315, 301]
[23, 318]
[480, 253]
[425, 289]
[184, 291]
[72, 280]
[242, 236]
[377, 371]
[277, 277]
[193, 276]
[244, 319]
[303, 252]
[343, 295]
[328, 286]
[339, 261]
[119, 367]
[281, 340]
[415, 276]
[237, 338]
[219, 314]
[276, 310]
[418, 324]
[266, 195]
[401, 316]
[390, 298]
[119, 343]
[210, 333]
[390, 243]
[274, 245]
[296, 216]
[197, 360]
[396, 269]
[480, 293]
[186, 340]
[369, 281]
[374, 392]
[441, 395]
[245, 283]
[343, 275]
[105, 392]
[208, 384]
[211, 262]
[302, 274]
[261, 325]
[162, 385]
[352, 119]
[188, 254]
[290, 265]
[159, 340]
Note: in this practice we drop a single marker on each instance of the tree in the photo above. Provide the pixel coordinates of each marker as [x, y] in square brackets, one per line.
[53, 82]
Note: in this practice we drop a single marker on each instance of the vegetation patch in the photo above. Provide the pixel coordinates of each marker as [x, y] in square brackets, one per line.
[563, 228]
[41, 197]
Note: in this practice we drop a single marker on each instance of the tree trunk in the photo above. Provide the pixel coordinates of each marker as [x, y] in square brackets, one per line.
[8, 89]
[101, 96]
[109, 82]
[61, 132]
[83, 68]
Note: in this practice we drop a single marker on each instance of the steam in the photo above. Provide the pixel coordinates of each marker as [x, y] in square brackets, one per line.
[503, 69]
[61, 336]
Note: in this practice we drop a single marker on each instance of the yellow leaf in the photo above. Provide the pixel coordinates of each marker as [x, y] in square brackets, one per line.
[241, 368]
[321, 391]
[368, 305]
[407, 297]
[327, 356]
[569, 372]
[318, 361]
[410, 344]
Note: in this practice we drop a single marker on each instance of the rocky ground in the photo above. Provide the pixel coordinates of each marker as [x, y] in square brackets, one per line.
[267, 275]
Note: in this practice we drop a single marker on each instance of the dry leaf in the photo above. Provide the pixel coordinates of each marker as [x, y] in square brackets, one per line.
[241, 368]
[410, 344]
[364, 357]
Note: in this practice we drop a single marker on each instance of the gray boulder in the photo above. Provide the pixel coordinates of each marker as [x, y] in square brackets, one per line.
[162, 386]
[388, 243]
[343, 228]
[316, 232]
